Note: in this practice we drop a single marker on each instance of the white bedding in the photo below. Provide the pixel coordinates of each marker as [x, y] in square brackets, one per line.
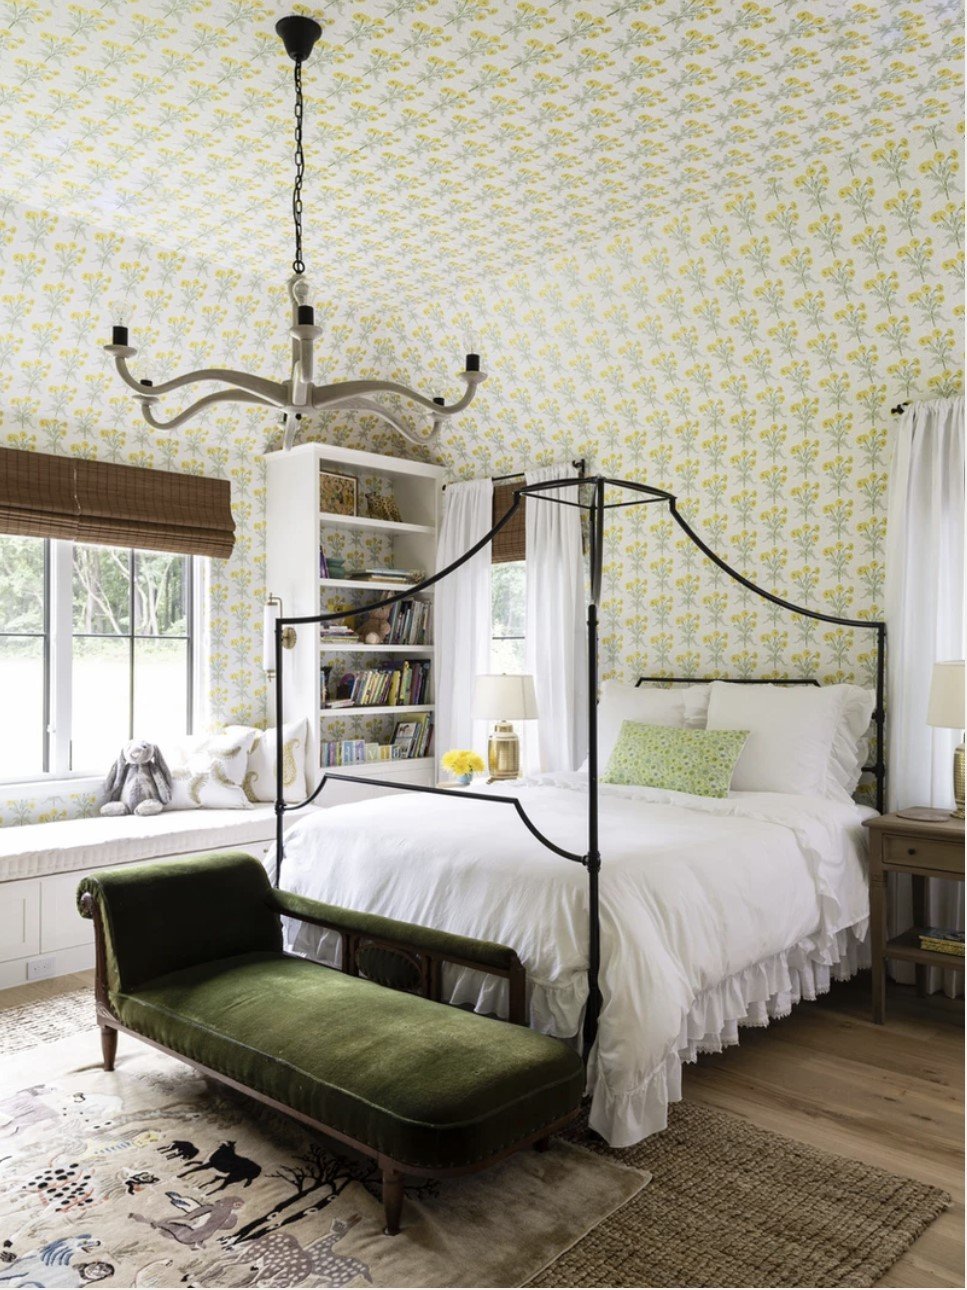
[714, 913]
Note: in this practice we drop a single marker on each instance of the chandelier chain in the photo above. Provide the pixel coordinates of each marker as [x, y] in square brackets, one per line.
[300, 170]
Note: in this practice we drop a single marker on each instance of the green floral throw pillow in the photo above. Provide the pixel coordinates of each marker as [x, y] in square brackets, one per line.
[685, 761]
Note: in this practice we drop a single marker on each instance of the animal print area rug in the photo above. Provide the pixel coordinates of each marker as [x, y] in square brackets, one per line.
[151, 1176]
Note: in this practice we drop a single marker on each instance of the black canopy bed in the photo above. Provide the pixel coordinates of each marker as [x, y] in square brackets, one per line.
[419, 850]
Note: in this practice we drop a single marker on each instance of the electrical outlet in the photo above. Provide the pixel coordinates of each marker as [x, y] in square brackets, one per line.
[40, 969]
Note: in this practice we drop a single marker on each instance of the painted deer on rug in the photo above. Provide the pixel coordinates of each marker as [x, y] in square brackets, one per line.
[280, 1260]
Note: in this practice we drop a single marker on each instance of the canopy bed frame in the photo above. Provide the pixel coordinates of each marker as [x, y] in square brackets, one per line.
[591, 500]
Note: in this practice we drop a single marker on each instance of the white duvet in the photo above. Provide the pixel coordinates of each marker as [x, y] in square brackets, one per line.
[714, 913]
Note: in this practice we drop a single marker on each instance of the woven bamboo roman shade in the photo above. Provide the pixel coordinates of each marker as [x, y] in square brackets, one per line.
[99, 501]
[509, 543]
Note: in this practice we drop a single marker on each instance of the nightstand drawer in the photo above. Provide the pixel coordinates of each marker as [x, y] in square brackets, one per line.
[923, 853]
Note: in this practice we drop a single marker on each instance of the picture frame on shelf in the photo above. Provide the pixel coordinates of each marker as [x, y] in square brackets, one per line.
[383, 507]
[338, 494]
[404, 734]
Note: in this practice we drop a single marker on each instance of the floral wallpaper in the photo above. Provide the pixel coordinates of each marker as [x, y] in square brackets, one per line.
[705, 246]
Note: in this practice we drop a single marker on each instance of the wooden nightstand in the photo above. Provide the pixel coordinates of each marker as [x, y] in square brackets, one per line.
[924, 849]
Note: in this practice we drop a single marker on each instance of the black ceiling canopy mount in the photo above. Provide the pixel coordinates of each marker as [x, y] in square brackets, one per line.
[299, 34]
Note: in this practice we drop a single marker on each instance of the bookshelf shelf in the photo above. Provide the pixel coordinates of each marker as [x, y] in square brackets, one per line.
[374, 710]
[369, 584]
[334, 647]
[329, 520]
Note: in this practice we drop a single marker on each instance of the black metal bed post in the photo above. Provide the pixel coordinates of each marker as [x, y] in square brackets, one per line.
[279, 787]
[880, 717]
[592, 1011]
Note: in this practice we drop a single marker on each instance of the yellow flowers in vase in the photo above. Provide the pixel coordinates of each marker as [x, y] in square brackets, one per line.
[463, 763]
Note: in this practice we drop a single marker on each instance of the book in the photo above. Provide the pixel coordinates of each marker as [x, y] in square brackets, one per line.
[942, 940]
[379, 574]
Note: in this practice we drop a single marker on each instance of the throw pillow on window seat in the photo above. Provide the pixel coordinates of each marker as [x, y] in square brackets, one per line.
[259, 781]
[209, 771]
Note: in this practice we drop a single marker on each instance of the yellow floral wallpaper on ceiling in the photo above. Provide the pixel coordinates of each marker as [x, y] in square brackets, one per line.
[703, 245]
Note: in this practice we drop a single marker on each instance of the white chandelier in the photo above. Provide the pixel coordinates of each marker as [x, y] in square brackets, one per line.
[299, 394]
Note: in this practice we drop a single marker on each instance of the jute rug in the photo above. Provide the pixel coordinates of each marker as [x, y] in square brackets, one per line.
[150, 1176]
[728, 1204]
[734, 1205]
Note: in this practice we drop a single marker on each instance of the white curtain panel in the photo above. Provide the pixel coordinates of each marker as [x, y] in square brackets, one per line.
[556, 644]
[925, 623]
[462, 614]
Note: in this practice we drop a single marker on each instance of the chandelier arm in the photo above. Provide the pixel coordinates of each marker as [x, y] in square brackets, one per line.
[221, 396]
[385, 414]
[341, 392]
[275, 393]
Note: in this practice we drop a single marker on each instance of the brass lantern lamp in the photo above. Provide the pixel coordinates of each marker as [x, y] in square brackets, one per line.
[504, 699]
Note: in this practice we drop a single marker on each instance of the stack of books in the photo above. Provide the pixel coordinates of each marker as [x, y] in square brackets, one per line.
[336, 633]
[942, 940]
[409, 623]
[381, 574]
[392, 685]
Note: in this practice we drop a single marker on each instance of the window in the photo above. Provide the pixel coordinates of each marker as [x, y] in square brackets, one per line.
[508, 608]
[508, 611]
[96, 646]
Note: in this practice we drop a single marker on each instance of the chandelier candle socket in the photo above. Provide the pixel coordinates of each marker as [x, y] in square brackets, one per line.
[300, 394]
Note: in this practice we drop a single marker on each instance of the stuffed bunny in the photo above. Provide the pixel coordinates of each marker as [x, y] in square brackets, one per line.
[139, 782]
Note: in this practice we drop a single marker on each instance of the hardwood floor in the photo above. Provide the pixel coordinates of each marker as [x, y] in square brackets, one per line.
[34, 991]
[889, 1095]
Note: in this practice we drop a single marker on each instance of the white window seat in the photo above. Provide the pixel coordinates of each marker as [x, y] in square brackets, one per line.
[40, 865]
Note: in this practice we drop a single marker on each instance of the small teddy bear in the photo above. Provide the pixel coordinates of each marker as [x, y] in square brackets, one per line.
[139, 783]
[375, 629]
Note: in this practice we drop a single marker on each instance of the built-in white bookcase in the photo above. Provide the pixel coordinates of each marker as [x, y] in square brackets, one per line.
[297, 528]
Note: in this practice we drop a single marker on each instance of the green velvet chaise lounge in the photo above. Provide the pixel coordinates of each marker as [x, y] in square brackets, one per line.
[190, 959]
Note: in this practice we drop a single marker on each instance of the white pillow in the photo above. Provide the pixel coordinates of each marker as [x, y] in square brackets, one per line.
[803, 739]
[851, 747]
[259, 780]
[647, 704]
[696, 706]
[209, 771]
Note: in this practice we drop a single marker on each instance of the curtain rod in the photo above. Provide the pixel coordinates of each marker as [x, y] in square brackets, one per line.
[580, 465]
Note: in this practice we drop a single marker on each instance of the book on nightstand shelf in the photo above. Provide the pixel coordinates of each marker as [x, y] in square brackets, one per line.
[942, 940]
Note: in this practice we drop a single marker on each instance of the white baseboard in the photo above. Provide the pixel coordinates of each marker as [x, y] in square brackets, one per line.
[77, 958]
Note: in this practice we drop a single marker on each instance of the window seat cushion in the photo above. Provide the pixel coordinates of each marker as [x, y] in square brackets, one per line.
[61, 846]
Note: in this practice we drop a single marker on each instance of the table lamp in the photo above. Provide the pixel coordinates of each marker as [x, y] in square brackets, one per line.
[945, 708]
[504, 699]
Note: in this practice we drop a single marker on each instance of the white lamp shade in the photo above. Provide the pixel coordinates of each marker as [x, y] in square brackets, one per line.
[504, 698]
[946, 704]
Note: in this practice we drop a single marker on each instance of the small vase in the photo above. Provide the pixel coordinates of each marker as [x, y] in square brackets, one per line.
[465, 779]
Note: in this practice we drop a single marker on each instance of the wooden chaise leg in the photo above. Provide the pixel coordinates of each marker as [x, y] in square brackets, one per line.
[392, 1200]
[109, 1046]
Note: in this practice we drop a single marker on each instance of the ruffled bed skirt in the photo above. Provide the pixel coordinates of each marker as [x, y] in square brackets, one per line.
[759, 994]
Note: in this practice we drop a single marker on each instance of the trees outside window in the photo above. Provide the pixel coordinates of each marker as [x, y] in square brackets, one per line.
[96, 648]
[508, 608]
